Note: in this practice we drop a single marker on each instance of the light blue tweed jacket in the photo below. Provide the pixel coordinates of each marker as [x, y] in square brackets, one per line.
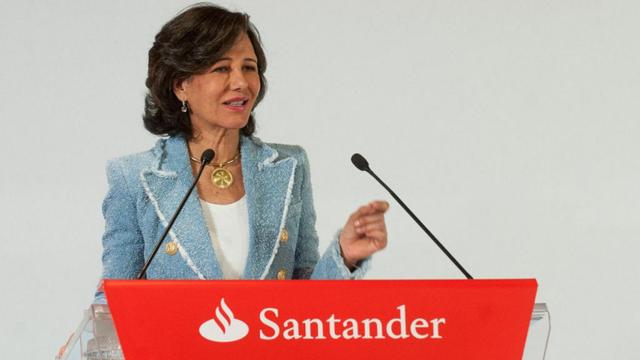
[146, 188]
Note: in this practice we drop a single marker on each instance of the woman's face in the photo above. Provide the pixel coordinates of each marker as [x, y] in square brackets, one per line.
[224, 95]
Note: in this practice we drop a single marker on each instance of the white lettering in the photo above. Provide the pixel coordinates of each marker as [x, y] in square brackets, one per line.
[402, 321]
[417, 324]
[291, 330]
[269, 323]
[351, 331]
[370, 328]
[436, 329]
[307, 329]
[367, 329]
[332, 326]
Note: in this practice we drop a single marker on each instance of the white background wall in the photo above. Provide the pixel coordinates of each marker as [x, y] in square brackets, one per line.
[510, 127]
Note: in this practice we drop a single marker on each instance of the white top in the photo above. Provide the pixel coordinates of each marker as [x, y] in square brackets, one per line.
[229, 229]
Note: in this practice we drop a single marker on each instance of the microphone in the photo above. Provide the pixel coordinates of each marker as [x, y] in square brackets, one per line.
[360, 162]
[363, 165]
[206, 157]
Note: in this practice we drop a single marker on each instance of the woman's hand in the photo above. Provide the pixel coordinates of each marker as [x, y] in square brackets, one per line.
[364, 233]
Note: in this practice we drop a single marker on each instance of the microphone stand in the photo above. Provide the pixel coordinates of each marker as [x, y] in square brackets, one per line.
[361, 163]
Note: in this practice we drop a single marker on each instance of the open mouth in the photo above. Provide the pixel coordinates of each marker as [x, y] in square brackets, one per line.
[236, 102]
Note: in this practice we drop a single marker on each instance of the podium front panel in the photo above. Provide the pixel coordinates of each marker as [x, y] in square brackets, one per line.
[322, 319]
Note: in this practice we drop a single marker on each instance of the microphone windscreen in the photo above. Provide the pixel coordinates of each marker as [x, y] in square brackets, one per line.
[207, 156]
[360, 162]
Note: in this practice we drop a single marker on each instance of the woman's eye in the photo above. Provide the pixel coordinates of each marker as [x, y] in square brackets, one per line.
[250, 68]
[221, 69]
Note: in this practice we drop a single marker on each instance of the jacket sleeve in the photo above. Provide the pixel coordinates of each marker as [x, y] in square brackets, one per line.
[122, 242]
[308, 262]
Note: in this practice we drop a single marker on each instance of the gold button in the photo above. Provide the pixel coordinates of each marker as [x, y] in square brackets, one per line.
[282, 274]
[171, 248]
[284, 235]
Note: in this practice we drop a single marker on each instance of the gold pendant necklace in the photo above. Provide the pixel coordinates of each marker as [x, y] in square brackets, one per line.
[221, 177]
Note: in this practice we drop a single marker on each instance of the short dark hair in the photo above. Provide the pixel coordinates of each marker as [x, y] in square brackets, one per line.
[187, 45]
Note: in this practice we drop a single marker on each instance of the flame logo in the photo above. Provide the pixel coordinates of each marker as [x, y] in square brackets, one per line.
[224, 327]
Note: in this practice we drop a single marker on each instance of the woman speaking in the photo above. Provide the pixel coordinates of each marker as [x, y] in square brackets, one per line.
[252, 216]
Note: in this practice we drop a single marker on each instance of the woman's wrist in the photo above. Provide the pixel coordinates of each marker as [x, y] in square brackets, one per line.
[349, 263]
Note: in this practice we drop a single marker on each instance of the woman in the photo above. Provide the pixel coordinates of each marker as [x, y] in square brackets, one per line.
[253, 215]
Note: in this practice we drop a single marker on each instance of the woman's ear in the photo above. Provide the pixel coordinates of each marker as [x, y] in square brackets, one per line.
[180, 89]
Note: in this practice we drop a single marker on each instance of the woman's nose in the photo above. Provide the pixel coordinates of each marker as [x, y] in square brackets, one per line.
[238, 80]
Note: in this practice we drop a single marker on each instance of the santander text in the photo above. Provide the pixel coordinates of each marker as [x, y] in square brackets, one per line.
[335, 328]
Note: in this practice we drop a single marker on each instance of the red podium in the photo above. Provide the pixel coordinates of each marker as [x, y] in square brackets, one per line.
[365, 319]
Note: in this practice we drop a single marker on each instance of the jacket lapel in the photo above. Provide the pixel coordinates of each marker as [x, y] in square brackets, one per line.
[166, 183]
[268, 183]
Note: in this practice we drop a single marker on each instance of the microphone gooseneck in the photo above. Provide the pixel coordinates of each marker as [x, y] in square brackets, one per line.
[362, 164]
[206, 157]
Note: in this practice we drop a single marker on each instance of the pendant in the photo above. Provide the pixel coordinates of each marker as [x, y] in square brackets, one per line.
[221, 178]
